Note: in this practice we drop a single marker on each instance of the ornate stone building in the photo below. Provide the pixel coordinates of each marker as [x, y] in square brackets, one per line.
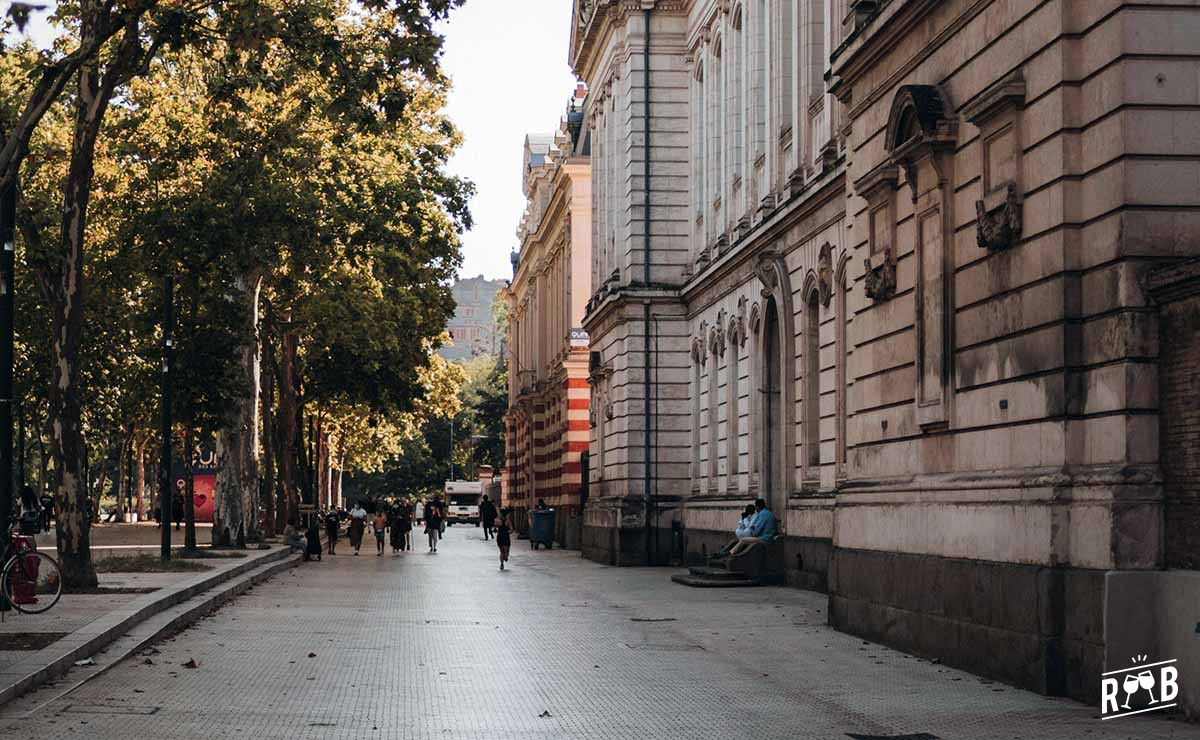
[547, 422]
[473, 330]
[907, 269]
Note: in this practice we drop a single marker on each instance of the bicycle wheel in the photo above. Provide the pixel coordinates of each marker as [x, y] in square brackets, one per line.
[32, 582]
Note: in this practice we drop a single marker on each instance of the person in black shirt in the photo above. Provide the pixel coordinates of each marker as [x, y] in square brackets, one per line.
[331, 529]
[47, 509]
[487, 515]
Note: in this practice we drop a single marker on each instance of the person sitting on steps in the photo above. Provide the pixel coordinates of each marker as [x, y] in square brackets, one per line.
[742, 530]
[763, 528]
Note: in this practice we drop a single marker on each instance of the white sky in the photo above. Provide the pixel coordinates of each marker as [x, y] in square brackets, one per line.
[508, 61]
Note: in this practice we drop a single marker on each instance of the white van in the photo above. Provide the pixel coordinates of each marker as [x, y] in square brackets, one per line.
[462, 501]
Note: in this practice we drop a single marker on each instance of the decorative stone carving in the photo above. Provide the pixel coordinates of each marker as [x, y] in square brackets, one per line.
[825, 274]
[755, 318]
[880, 283]
[999, 228]
[741, 321]
[767, 274]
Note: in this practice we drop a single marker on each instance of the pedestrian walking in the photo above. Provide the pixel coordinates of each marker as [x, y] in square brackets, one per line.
[312, 539]
[379, 525]
[504, 536]
[487, 515]
[47, 502]
[358, 525]
[433, 525]
[331, 530]
[395, 524]
[406, 525]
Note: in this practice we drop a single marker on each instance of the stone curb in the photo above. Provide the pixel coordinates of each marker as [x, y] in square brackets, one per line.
[88, 640]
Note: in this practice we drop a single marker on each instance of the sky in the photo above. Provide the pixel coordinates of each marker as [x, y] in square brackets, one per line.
[508, 62]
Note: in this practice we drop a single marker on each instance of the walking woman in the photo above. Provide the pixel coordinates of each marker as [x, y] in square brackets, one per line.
[503, 536]
[358, 524]
[433, 525]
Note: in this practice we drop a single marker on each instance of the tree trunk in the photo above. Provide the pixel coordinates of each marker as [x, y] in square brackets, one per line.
[267, 487]
[235, 518]
[189, 487]
[62, 283]
[287, 431]
[43, 456]
[139, 480]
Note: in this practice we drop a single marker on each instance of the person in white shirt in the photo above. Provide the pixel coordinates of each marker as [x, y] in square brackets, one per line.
[358, 525]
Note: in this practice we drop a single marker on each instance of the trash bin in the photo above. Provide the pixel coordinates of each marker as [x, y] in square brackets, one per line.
[541, 528]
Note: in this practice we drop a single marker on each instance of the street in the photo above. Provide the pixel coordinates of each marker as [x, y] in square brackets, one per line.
[447, 646]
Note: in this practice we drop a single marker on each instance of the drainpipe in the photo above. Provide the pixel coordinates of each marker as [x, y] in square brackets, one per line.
[649, 500]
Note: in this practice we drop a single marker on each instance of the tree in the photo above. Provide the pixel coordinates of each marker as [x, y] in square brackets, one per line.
[367, 69]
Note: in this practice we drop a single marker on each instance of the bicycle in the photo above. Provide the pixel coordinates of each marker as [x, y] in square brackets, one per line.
[31, 581]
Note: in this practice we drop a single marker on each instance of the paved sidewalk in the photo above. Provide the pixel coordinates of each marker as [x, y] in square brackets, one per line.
[445, 646]
[75, 611]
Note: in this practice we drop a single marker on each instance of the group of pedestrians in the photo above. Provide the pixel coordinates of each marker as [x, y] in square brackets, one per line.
[392, 523]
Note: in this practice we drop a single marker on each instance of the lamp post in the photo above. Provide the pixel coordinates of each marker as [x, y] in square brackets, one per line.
[8, 229]
[168, 361]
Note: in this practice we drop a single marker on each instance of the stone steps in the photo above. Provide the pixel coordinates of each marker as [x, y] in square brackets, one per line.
[710, 577]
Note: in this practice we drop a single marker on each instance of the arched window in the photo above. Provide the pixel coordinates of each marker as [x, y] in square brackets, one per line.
[841, 357]
[812, 385]
[696, 393]
[772, 389]
[698, 156]
[713, 180]
[714, 404]
[732, 379]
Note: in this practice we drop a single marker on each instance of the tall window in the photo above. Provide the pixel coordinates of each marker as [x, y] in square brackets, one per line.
[732, 379]
[713, 180]
[784, 54]
[759, 100]
[696, 392]
[698, 150]
[815, 64]
[841, 354]
[812, 384]
[713, 420]
[736, 124]
[771, 474]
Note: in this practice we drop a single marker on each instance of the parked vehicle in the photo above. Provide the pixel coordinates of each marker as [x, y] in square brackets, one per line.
[462, 501]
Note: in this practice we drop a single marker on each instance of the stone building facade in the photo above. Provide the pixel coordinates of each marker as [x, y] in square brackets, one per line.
[907, 270]
[473, 329]
[547, 421]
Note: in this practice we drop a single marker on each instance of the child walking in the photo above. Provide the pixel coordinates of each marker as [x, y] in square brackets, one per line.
[503, 537]
[380, 526]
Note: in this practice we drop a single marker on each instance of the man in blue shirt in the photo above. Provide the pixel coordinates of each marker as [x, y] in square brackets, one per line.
[763, 528]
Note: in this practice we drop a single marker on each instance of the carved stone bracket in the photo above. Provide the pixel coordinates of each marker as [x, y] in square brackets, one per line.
[999, 228]
[880, 283]
[825, 274]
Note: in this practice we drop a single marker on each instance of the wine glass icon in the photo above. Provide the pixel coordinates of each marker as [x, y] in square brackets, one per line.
[1130, 685]
[1146, 679]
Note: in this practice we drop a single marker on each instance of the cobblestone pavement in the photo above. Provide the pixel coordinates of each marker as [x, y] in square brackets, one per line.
[445, 646]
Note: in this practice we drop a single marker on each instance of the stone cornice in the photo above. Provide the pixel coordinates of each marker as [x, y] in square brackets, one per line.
[592, 20]
[830, 187]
